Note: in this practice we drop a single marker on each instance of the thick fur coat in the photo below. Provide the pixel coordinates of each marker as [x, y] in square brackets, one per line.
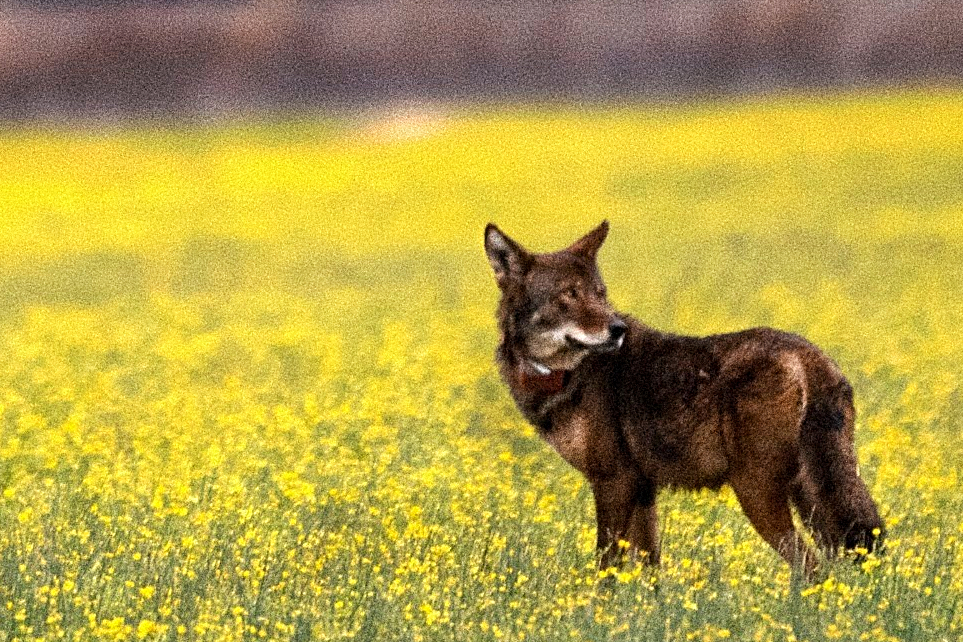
[635, 409]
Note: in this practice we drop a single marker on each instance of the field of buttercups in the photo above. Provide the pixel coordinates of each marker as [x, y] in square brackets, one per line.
[247, 391]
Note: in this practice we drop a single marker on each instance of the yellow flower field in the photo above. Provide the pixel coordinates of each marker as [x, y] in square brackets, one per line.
[247, 392]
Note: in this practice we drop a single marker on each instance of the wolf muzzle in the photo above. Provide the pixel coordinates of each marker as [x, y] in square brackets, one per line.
[617, 330]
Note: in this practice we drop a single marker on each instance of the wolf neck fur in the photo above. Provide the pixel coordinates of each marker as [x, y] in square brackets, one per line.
[537, 396]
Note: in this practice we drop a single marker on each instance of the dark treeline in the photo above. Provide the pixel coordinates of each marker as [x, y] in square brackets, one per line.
[77, 57]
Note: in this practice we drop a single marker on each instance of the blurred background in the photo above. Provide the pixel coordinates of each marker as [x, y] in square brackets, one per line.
[315, 147]
[241, 261]
[86, 58]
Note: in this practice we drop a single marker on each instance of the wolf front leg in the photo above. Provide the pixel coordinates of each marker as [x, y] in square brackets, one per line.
[643, 530]
[620, 518]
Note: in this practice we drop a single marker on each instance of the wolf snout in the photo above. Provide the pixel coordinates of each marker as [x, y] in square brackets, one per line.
[594, 343]
[617, 330]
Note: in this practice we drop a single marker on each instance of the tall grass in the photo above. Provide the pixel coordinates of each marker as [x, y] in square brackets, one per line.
[246, 389]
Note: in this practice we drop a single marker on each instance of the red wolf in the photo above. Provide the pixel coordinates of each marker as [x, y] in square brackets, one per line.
[635, 409]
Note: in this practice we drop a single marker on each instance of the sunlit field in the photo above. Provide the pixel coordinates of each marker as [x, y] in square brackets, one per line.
[247, 392]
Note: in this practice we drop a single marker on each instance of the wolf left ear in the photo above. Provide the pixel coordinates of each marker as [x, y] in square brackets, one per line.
[588, 246]
[508, 259]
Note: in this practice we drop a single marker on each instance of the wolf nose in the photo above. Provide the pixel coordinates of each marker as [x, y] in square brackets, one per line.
[617, 330]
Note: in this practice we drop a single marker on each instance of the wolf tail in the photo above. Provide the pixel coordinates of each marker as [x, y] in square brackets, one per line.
[828, 492]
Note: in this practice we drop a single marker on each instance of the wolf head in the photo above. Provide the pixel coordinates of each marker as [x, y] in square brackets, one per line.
[554, 309]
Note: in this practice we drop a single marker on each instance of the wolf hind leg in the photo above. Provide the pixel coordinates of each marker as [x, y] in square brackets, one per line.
[769, 394]
[765, 501]
[815, 514]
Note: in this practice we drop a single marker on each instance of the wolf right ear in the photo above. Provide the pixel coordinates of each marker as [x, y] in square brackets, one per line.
[508, 258]
[588, 246]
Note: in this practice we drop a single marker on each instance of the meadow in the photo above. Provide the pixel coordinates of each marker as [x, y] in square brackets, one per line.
[247, 391]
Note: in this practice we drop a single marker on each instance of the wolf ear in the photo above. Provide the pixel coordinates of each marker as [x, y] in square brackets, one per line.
[588, 246]
[508, 258]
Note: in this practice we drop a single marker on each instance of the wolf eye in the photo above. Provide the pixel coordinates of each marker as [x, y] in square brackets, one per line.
[571, 293]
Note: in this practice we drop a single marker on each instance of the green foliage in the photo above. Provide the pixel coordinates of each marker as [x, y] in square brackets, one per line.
[247, 392]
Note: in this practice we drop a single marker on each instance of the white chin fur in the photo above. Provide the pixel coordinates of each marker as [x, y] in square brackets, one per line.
[540, 368]
[551, 349]
[559, 336]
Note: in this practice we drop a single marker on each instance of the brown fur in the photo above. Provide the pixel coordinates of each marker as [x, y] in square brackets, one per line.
[762, 410]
